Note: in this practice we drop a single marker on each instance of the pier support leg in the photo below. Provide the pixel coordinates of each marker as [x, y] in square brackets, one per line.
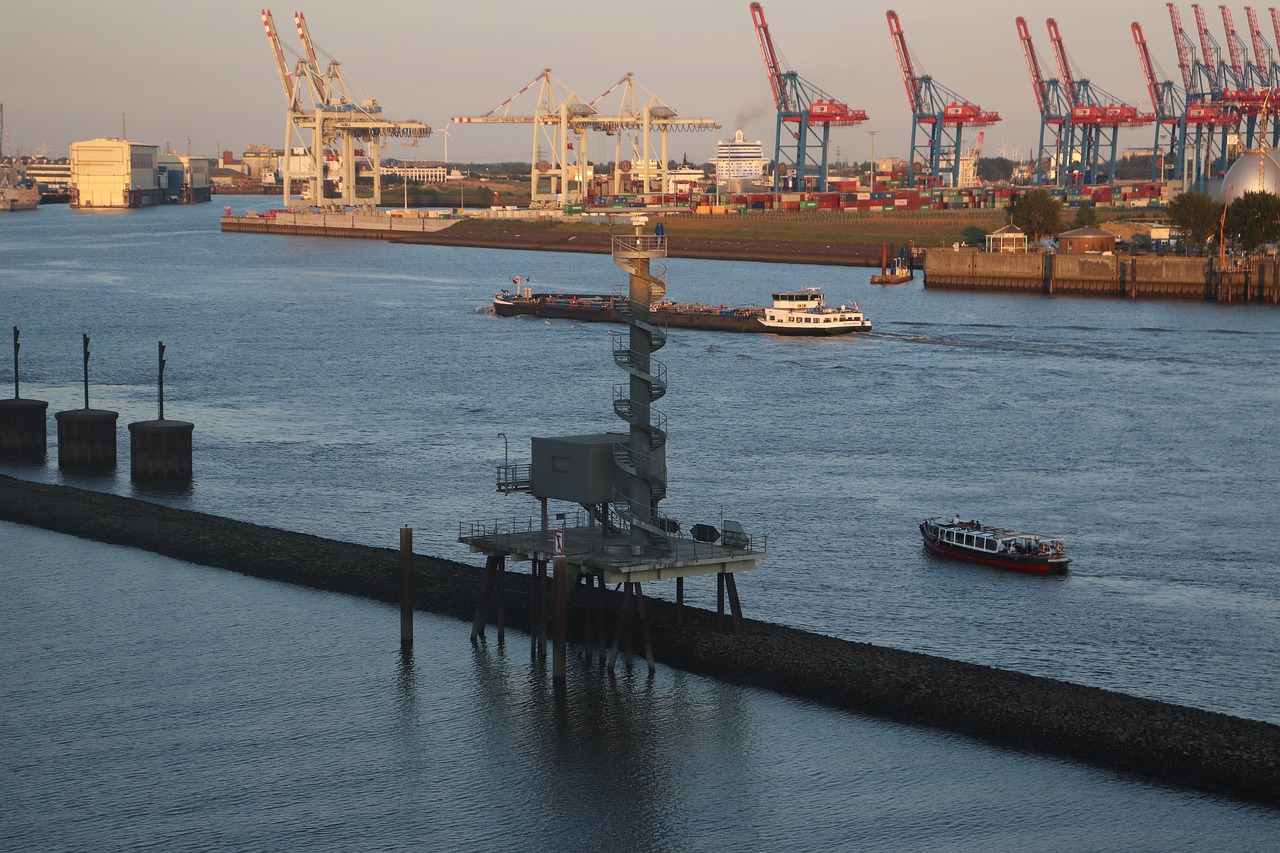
[680, 600]
[735, 606]
[624, 625]
[720, 601]
[486, 593]
[644, 629]
[560, 619]
[602, 625]
[588, 616]
[502, 600]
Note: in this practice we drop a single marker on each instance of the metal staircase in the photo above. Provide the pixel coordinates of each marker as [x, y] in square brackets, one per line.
[640, 456]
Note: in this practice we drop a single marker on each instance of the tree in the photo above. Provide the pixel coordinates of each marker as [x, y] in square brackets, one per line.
[1086, 217]
[1197, 216]
[1254, 219]
[972, 235]
[1038, 214]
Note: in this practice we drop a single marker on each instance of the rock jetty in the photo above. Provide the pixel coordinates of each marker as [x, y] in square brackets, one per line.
[1176, 745]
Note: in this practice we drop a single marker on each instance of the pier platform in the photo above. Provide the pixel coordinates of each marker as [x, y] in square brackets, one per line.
[588, 548]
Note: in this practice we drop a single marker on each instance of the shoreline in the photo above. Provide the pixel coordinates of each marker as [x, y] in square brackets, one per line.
[1158, 741]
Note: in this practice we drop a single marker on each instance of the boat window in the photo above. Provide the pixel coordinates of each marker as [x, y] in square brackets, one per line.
[991, 544]
[968, 539]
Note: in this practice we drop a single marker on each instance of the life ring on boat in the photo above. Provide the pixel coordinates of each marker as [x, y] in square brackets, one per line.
[1058, 548]
[1044, 547]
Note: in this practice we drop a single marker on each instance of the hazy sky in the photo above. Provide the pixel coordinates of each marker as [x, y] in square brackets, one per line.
[200, 76]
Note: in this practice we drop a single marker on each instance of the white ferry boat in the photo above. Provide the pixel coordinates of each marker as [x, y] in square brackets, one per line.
[805, 312]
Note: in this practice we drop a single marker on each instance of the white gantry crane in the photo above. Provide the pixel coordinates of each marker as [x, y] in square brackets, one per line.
[559, 175]
[561, 121]
[634, 124]
[336, 126]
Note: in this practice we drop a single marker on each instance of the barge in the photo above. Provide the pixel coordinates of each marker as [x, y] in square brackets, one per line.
[793, 312]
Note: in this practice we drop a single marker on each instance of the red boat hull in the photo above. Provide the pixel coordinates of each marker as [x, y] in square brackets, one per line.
[1039, 564]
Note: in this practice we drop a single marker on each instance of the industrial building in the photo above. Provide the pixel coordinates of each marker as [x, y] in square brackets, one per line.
[116, 173]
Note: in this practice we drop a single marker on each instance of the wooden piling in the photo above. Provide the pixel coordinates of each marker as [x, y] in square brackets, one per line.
[406, 587]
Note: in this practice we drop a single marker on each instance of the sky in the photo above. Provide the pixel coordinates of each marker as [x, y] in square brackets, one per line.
[200, 77]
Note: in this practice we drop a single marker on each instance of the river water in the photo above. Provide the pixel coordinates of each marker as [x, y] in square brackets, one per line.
[347, 388]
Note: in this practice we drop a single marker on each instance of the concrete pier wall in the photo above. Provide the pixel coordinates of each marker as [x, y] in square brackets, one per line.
[1159, 741]
[1130, 276]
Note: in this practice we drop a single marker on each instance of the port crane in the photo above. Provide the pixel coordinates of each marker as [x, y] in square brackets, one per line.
[633, 126]
[1096, 118]
[1233, 86]
[1209, 117]
[559, 119]
[805, 116]
[938, 115]
[1175, 117]
[336, 126]
[1055, 109]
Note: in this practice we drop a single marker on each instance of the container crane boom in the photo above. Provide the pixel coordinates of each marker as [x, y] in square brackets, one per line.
[1148, 69]
[309, 55]
[770, 57]
[1237, 54]
[1275, 25]
[1263, 56]
[1064, 65]
[904, 61]
[282, 68]
[1186, 50]
[1210, 51]
[1033, 66]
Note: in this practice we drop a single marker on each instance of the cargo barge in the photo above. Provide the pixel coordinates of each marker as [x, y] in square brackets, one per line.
[801, 312]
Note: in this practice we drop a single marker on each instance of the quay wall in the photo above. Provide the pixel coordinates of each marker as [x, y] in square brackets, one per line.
[368, 226]
[1168, 743]
[1129, 276]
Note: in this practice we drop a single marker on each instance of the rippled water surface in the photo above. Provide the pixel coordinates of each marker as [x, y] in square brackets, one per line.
[346, 388]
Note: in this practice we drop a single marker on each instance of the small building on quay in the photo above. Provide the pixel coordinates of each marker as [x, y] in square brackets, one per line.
[1083, 241]
[120, 173]
[1008, 240]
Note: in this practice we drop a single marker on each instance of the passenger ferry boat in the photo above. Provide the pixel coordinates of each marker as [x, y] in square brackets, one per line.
[805, 312]
[994, 546]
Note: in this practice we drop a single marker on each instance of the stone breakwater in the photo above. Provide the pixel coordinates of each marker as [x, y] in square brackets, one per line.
[1182, 746]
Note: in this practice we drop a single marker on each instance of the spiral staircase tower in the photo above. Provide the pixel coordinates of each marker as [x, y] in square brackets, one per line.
[643, 456]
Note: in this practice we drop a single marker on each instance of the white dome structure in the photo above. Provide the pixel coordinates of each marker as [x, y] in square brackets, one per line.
[1256, 170]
